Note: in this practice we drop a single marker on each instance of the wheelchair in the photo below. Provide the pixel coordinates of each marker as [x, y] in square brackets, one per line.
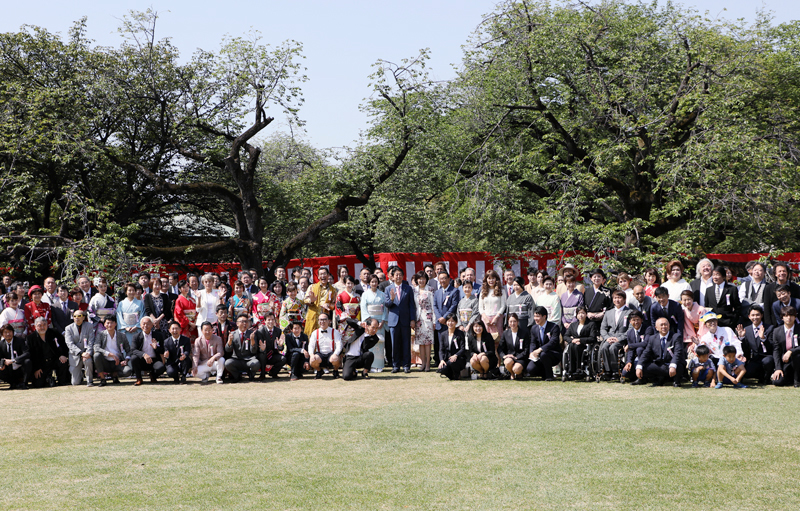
[586, 365]
[600, 374]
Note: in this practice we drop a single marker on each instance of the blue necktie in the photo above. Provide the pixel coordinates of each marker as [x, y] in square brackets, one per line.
[663, 347]
[541, 333]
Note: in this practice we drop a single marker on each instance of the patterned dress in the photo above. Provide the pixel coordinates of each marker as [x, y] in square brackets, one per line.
[424, 332]
[264, 303]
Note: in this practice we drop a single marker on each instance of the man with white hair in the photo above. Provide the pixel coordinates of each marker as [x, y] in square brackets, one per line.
[79, 336]
[147, 349]
[702, 280]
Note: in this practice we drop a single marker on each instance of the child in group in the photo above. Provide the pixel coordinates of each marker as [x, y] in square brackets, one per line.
[701, 368]
[731, 369]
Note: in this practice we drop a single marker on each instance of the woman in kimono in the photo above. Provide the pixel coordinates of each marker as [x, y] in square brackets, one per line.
[373, 305]
[348, 304]
[693, 328]
[238, 303]
[467, 308]
[101, 305]
[14, 315]
[423, 337]
[292, 310]
[264, 302]
[521, 303]
[186, 311]
[571, 299]
[129, 313]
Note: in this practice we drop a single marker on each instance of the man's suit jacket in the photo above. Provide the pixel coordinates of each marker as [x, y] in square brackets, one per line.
[241, 348]
[46, 351]
[610, 327]
[62, 319]
[770, 298]
[101, 342]
[728, 305]
[755, 348]
[174, 349]
[446, 350]
[636, 341]
[675, 354]
[403, 309]
[18, 345]
[673, 312]
[445, 301]
[776, 310]
[695, 286]
[779, 345]
[137, 343]
[296, 345]
[205, 349]
[644, 308]
[74, 337]
[551, 343]
[270, 337]
[509, 347]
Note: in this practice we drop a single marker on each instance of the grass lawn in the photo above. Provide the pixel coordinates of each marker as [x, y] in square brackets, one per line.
[400, 442]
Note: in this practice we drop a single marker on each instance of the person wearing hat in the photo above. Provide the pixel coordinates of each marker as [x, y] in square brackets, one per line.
[36, 308]
[569, 269]
[79, 337]
[718, 337]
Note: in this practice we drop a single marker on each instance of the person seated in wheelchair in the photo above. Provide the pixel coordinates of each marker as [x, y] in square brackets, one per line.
[613, 330]
[580, 334]
[634, 343]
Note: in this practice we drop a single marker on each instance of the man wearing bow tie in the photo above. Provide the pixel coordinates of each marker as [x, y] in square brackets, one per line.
[326, 347]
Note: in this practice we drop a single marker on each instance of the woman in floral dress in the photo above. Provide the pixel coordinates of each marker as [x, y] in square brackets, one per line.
[424, 330]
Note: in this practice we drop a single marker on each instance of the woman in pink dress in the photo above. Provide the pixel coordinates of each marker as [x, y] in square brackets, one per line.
[492, 303]
[693, 329]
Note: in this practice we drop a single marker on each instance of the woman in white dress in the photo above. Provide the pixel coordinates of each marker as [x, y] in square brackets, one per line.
[207, 301]
[424, 332]
[674, 282]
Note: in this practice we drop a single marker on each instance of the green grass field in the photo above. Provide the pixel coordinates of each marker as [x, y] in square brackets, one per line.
[400, 442]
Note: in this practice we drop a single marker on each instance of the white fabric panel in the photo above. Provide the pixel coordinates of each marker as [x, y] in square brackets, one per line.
[551, 267]
[410, 269]
[480, 270]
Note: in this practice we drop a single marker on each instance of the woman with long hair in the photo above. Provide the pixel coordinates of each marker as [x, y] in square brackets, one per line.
[492, 303]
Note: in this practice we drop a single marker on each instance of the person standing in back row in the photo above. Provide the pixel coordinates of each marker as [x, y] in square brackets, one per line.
[402, 311]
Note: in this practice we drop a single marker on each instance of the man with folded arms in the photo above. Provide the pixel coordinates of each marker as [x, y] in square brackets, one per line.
[241, 351]
[207, 354]
[326, 347]
[111, 352]
[79, 337]
[147, 348]
[178, 353]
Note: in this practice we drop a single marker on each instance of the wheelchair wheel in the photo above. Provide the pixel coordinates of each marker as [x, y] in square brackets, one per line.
[565, 374]
[596, 363]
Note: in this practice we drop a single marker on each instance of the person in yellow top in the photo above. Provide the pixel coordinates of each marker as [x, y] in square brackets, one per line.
[320, 297]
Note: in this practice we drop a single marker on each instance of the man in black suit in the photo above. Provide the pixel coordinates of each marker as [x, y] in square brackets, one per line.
[445, 301]
[357, 341]
[784, 298]
[269, 344]
[757, 347]
[178, 354]
[703, 281]
[63, 310]
[545, 345]
[781, 272]
[634, 342]
[664, 356]
[402, 313]
[241, 350]
[786, 350]
[49, 354]
[85, 285]
[147, 348]
[723, 299]
[297, 354]
[642, 303]
[15, 363]
[597, 297]
[668, 309]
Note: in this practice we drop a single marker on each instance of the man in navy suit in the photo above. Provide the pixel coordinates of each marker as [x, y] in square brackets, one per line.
[545, 345]
[757, 345]
[668, 309]
[663, 356]
[786, 349]
[784, 298]
[402, 312]
[634, 342]
[445, 301]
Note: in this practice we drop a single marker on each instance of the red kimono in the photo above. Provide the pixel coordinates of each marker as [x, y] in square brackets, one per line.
[185, 311]
[263, 303]
[32, 311]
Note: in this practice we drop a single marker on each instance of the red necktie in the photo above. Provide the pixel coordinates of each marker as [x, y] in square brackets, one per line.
[789, 339]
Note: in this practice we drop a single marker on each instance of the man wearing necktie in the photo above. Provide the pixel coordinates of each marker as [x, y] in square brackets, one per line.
[240, 351]
[757, 345]
[723, 299]
[545, 345]
[786, 350]
[402, 312]
[663, 357]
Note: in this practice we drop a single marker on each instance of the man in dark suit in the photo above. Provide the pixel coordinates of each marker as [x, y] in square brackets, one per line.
[402, 311]
[445, 301]
[363, 281]
[357, 341]
[241, 351]
[664, 356]
[781, 272]
[85, 285]
[723, 299]
[63, 310]
[178, 354]
[703, 281]
[597, 297]
[297, 354]
[757, 347]
[15, 363]
[667, 309]
[267, 339]
[786, 350]
[634, 342]
[783, 299]
[642, 303]
[147, 347]
[545, 345]
[49, 354]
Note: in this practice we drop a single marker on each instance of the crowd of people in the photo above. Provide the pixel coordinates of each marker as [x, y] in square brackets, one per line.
[712, 330]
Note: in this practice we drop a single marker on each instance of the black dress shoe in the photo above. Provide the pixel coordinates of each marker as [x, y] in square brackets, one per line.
[115, 380]
[153, 377]
[407, 370]
[395, 370]
[796, 384]
[176, 380]
[676, 384]
[335, 374]
[549, 379]
[183, 379]
[102, 382]
[638, 381]
[318, 376]
[262, 377]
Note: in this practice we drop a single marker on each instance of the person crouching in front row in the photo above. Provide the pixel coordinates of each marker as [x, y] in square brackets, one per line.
[177, 353]
[207, 354]
[326, 347]
[111, 352]
[453, 349]
[241, 350]
[356, 352]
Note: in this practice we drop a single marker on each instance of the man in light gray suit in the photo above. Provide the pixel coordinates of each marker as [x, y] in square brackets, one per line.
[612, 329]
[79, 336]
